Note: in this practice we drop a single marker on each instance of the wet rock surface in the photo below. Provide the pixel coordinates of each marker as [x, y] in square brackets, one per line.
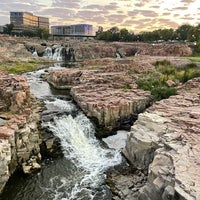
[125, 182]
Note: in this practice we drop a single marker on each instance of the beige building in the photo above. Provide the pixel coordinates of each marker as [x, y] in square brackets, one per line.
[27, 21]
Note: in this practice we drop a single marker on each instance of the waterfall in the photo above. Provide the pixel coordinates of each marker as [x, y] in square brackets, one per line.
[80, 174]
[84, 151]
[57, 52]
[48, 53]
[35, 54]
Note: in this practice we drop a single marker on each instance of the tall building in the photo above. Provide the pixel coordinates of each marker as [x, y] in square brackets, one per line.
[27, 21]
[76, 30]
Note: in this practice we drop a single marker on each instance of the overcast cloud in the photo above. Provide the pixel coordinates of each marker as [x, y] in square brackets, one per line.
[135, 15]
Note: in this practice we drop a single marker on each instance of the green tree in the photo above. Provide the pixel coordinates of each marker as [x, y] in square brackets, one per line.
[183, 31]
[124, 35]
[167, 34]
[100, 30]
[42, 33]
[8, 28]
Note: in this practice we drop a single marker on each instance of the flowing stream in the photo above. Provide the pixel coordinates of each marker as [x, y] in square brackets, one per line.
[78, 175]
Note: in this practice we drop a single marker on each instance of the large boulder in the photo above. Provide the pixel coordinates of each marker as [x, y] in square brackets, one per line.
[108, 94]
[19, 132]
[165, 141]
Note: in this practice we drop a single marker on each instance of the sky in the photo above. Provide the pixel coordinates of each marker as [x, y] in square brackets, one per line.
[134, 15]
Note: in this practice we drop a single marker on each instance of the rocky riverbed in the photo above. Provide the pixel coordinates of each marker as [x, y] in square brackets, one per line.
[165, 141]
[162, 146]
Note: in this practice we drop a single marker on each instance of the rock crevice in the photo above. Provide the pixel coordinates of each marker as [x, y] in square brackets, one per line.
[165, 141]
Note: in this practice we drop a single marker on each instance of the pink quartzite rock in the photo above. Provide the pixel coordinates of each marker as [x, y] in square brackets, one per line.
[6, 132]
[107, 94]
[19, 135]
[165, 140]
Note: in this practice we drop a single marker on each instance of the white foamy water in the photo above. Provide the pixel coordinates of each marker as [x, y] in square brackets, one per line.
[80, 175]
[60, 104]
[84, 150]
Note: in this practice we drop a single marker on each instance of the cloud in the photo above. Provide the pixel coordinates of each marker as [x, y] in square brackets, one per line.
[134, 15]
[75, 4]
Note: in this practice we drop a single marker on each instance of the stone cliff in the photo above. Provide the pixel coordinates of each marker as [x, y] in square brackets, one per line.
[19, 134]
[99, 49]
[165, 141]
[108, 94]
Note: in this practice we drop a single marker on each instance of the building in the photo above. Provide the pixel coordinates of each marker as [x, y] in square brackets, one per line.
[76, 30]
[27, 21]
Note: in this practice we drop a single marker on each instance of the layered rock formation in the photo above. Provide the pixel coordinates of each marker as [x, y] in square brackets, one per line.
[19, 134]
[98, 49]
[107, 95]
[165, 141]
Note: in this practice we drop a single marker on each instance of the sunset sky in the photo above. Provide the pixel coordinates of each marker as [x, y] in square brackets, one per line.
[135, 15]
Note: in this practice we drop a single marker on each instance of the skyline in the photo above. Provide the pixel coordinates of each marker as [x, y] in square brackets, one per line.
[134, 15]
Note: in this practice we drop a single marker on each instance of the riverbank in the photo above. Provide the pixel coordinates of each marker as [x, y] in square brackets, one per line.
[157, 141]
[161, 146]
[19, 128]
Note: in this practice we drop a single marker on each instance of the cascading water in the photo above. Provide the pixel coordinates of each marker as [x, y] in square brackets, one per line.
[57, 53]
[48, 53]
[80, 174]
[86, 154]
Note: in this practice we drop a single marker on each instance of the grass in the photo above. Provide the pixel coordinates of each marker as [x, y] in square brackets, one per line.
[194, 59]
[156, 82]
[19, 67]
[126, 87]
[181, 74]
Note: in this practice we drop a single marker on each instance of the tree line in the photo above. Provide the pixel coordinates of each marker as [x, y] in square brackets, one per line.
[42, 33]
[183, 33]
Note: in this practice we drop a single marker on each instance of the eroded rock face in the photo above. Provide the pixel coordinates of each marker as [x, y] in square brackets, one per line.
[99, 49]
[165, 140]
[108, 94]
[19, 134]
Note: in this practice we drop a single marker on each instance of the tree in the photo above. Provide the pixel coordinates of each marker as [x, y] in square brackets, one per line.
[29, 33]
[124, 35]
[183, 31]
[167, 34]
[114, 30]
[8, 28]
[100, 30]
[42, 33]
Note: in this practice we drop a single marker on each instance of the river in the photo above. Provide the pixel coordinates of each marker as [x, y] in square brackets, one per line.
[80, 174]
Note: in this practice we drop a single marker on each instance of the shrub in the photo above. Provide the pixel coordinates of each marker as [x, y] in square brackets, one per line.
[156, 85]
[163, 92]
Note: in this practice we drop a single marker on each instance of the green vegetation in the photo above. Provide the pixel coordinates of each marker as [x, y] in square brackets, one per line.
[184, 33]
[42, 33]
[194, 59]
[182, 74]
[126, 87]
[156, 82]
[18, 68]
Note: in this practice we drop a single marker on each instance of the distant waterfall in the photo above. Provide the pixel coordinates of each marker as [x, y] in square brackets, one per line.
[48, 53]
[57, 52]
